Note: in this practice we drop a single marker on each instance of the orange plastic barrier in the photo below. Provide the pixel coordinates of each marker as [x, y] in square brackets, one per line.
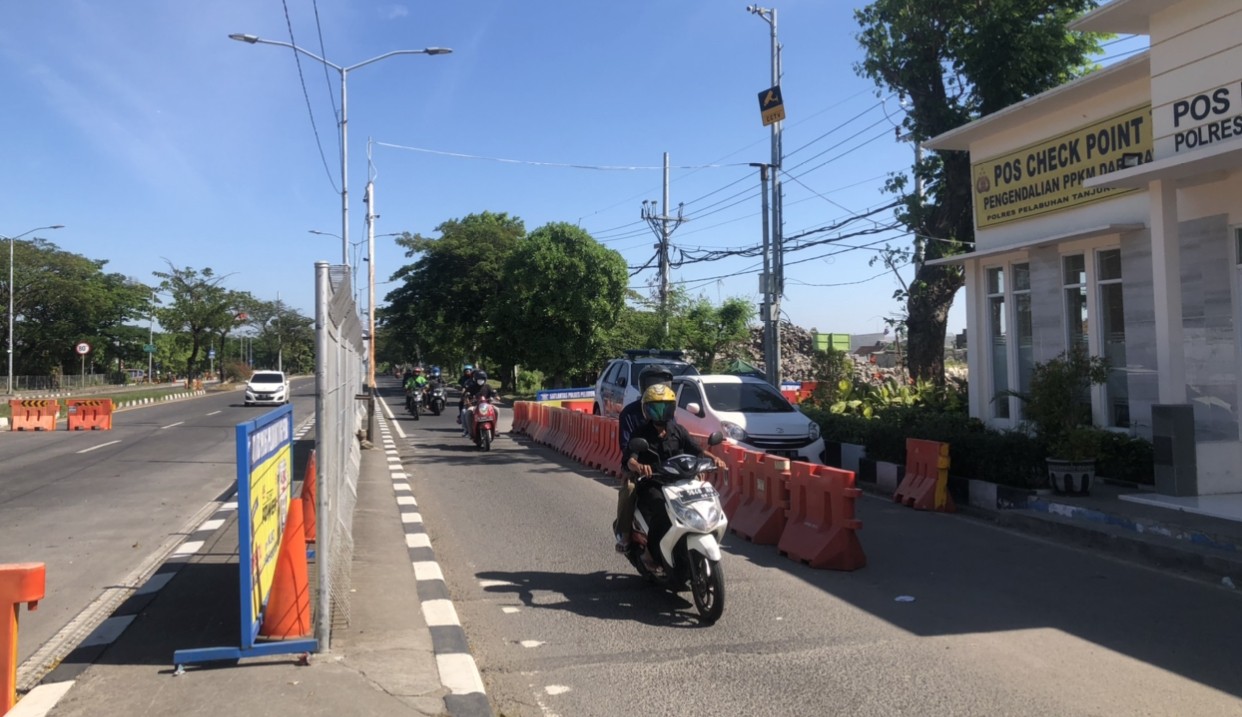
[288, 605]
[89, 414]
[19, 583]
[33, 415]
[822, 530]
[926, 484]
[309, 497]
[729, 482]
[764, 506]
[521, 416]
[579, 406]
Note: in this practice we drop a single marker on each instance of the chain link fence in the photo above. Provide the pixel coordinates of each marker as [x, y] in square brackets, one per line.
[339, 419]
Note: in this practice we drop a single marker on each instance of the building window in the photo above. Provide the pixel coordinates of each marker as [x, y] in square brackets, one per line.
[1075, 282]
[997, 324]
[1113, 337]
[1023, 327]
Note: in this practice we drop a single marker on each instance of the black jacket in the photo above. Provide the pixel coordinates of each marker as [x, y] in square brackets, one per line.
[676, 441]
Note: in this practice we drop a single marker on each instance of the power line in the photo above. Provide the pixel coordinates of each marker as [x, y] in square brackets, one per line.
[323, 52]
[302, 79]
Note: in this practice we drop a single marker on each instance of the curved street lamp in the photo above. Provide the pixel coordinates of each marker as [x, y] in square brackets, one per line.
[12, 240]
[344, 72]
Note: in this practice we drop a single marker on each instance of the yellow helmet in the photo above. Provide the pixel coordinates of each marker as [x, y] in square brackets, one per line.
[659, 401]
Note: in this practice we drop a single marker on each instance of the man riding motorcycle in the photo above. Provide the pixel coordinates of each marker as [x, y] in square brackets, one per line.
[470, 395]
[665, 439]
[415, 383]
[630, 419]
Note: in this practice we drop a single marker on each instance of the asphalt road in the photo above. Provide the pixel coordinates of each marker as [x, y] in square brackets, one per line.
[951, 616]
[96, 506]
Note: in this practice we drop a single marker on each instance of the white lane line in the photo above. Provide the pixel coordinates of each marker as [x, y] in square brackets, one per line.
[41, 699]
[408, 518]
[108, 631]
[509, 609]
[406, 500]
[101, 445]
[417, 540]
[214, 413]
[229, 506]
[178, 423]
[155, 583]
[459, 673]
[440, 613]
[531, 643]
[211, 524]
[187, 548]
[427, 570]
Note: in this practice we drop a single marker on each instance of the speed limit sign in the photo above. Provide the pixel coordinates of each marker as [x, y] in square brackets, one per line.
[84, 348]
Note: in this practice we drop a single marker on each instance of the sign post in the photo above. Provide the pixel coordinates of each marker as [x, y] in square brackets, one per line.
[264, 485]
[771, 106]
[83, 349]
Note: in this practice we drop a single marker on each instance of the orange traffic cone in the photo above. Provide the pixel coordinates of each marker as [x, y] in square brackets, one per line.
[288, 605]
[309, 498]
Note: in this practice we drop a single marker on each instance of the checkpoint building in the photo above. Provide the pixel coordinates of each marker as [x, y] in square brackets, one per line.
[1108, 215]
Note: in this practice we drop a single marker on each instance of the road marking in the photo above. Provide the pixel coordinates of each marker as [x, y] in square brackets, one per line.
[214, 413]
[178, 423]
[459, 674]
[108, 631]
[427, 570]
[509, 609]
[531, 643]
[101, 445]
[189, 547]
[212, 524]
[388, 412]
[439, 613]
[41, 699]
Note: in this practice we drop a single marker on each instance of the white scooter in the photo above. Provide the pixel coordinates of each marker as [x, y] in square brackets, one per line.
[690, 551]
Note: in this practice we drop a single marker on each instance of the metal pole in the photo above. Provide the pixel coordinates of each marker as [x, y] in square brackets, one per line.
[324, 452]
[11, 241]
[151, 340]
[344, 174]
[778, 234]
[765, 279]
[664, 250]
[371, 215]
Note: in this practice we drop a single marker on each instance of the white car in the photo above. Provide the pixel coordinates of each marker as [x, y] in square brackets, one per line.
[617, 386]
[750, 413]
[267, 387]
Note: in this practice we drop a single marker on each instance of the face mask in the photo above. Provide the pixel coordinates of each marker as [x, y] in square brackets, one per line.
[481, 382]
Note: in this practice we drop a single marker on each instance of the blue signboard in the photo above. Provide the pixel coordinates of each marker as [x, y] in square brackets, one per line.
[264, 487]
[564, 394]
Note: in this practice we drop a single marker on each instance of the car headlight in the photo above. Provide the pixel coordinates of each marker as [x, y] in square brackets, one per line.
[814, 431]
[732, 430]
[699, 522]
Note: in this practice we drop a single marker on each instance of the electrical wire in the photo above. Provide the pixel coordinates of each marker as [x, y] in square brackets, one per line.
[323, 52]
[302, 79]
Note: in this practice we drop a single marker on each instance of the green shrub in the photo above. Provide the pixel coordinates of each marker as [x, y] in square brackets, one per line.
[529, 382]
[1125, 458]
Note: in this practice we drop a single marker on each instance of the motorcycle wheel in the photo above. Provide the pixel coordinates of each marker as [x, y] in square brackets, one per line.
[414, 411]
[435, 409]
[485, 441]
[707, 584]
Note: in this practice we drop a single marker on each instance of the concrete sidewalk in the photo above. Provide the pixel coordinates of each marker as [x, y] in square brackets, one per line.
[382, 663]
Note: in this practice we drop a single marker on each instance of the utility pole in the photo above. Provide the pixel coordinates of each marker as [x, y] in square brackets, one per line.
[774, 281]
[369, 198]
[765, 280]
[660, 225]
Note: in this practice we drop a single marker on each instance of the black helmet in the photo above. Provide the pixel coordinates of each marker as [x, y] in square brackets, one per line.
[653, 374]
[480, 376]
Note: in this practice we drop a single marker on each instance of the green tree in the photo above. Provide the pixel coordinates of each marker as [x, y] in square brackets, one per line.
[710, 330]
[439, 311]
[61, 299]
[199, 307]
[564, 292]
[956, 61]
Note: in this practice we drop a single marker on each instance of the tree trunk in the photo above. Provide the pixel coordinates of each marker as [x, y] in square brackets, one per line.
[931, 296]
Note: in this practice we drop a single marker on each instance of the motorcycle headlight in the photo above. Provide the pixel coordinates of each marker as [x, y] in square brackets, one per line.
[732, 430]
[699, 522]
[814, 431]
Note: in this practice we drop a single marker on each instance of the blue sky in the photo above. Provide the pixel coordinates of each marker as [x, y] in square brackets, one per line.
[154, 138]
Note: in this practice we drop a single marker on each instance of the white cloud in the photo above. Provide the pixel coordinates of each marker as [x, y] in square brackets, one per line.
[392, 12]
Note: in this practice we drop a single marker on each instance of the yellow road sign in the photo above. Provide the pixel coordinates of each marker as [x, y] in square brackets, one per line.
[771, 105]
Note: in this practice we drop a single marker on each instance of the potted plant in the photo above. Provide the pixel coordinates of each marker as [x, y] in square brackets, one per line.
[1056, 406]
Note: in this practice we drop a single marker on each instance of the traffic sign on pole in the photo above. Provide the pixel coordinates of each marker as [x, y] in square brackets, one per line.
[83, 348]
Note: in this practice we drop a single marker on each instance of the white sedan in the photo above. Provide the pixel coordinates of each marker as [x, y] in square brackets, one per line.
[267, 387]
[750, 413]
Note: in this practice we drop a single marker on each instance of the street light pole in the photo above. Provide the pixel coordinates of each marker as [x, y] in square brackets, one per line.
[344, 72]
[12, 241]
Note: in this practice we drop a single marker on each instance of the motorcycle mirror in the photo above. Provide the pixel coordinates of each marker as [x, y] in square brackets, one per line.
[638, 445]
[715, 439]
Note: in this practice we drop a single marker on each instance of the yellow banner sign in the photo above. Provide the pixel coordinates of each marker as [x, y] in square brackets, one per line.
[1048, 176]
